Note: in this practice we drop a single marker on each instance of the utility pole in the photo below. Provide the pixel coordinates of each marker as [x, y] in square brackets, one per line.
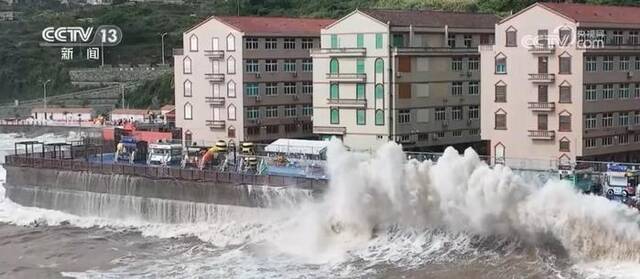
[122, 90]
[44, 87]
[162, 42]
[238, 4]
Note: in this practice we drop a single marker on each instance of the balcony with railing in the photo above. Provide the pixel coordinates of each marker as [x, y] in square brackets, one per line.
[542, 134]
[542, 78]
[218, 54]
[214, 77]
[542, 106]
[347, 77]
[542, 49]
[332, 130]
[348, 103]
[216, 124]
[340, 52]
[217, 101]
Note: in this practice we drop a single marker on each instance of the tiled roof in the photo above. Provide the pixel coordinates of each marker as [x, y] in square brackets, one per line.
[130, 111]
[428, 18]
[588, 13]
[63, 110]
[283, 26]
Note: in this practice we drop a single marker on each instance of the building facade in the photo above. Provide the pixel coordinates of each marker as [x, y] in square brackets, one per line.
[562, 83]
[407, 76]
[246, 79]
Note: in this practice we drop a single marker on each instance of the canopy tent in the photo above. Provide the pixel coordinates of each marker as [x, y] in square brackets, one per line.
[298, 146]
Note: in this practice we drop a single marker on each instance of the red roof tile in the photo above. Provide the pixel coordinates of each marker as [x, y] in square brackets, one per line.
[282, 26]
[588, 13]
[130, 111]
[430, 18]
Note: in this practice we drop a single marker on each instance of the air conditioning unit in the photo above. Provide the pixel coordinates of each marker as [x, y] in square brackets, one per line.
[445, 125]
[629, 74]
[295, 97]
[258, 75]
[468, 122]
[258, 99]
[294, 74]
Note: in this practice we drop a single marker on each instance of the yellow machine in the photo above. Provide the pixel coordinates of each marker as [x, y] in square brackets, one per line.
[218, 149]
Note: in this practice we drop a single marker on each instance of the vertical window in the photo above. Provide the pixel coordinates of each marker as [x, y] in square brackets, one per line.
[187, 88]
[193, 43]
[456, 113]
[289, 88]
[501, 65]
[271, 65]
[379, 117]
[215, 43]
[623, 119]
[188, 114]
[590, 143]
[624, 63]
[231, 65]
[565, 65]
[451, 40]
[636, 91]
[379, 65]
[216, 89]
[590, 121]
[590, 93]
[307, 110]
[360, 40]
[270, 43]
[186, 65]
[565, 145]
[334, 93]
[360, 66]
[290, 65]
[440, 114]
[456, 88]
[251, 66]
[231, 112]
[565, 94]
[633, 38]
[565, 37]
[272, 111]
[501, 93]
[474, 112]
[231, 43]
[623, 91]
[334, 66]
[188, 137]
[474, 88]
[231, 89]
[335, 116]
[360, 117]
[500, 120]
[290, 111]
[290, 43]
[251, 89]
[398, 40]
[307, 87]
[591, 63]
[468, 41]
[607, 119]
[564, 124]
[473, 64]
[404, 116]
[607, 91]
[251, 43]
[456, 64]
[617, 37]
[607, 63]
[334, 41]
[231, 132]
[378, 40]
[271, 89]
[379, 92]
[360, 91]
[637, 63]
[307, 43]
[253, 113]
[511, 35]
[307, 65]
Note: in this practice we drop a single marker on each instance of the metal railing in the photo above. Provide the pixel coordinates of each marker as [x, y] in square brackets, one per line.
[546, 106]
[543, 77]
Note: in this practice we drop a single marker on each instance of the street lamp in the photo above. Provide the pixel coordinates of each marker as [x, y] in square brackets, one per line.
[44, 88]
[162, 40]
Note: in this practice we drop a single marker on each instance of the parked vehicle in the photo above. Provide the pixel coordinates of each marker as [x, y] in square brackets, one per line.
[632, 183]
[130, 150]
[192, 156]
[166, 154]
[615, 180]
[580, 176]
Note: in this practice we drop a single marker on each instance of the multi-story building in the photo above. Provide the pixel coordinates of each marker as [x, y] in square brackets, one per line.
[407, 76]
[562, 83]
[246, 79]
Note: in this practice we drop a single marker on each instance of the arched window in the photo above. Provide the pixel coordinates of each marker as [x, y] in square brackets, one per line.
[334, 66]
[379, 65]
[500, 92]
[186, 65]
[564, 121]
[500, 120]
[335, 116]
[499, 153]
[231, 43]
[565, 145]
[231, 65]
[379, 92]
[188, 111]
[193, 43]
[511, 35]
[501, 63]
[231, 112]
[231, 89]
[187, 88]
[231, 132]
[334, 91]
[564, 96]
[379, 117]
[188, 137]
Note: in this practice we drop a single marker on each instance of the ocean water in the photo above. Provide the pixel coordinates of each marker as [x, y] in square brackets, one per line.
[382, 217]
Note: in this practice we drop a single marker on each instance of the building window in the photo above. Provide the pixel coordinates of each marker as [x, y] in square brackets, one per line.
[360, 40]
[500, 120]
[379, 66]
[378, 40]
[617, 37]
[565, 65]
[307, 43]
[623, 119]
[231, 112]
[501, 65]
[456, 113]
[188, 136]
[590, 143]
[231, 132]
[565, 37]
[440, 114]
[271, 65]
[398, 40]
[501, 93]
[474, 112]
[636, 117]
[590, 93]
[606, 141]
[379, 117]
[231, 43]
[251, 89]
[360, 91]
[215, 89]
[335, 116]
[456, 88]
[607, 91]
[564, 124]
[623, 91]
[289, 43]
[307, 87]
[273, 129]
[473, 64]
[251, 43]
[360, 66]
[637, 63]
[404, 116]
[271, 111]
[474, 88]
[360, 116]
[334, 41]
[607, 64]
[451, 40]
[565, 145]
[607, 120]
[289, 88]
[468, 41]
[251, 66]
[624, 63]
[307, 65]
[231, 65]
[253, 113]
[457, 133]
[511, 35]
[636, 91]
[271, 89]
[590, 121]
[565, 94]
[290, 111]
[633, 38]
[271, 43]
[307, 110]
[456, 64]
[193, 43]
[591, 64]
[623, 139]
[290, 65]
[231, 89]
[186, 65]
[334, 66]
[252, 131]
[187, 88]
[188, 113]
[334, 91]
[474, 132]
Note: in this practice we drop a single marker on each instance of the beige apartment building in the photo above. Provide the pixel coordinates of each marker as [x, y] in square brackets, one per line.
[562, 83]
[246, 79]
[408, 76]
